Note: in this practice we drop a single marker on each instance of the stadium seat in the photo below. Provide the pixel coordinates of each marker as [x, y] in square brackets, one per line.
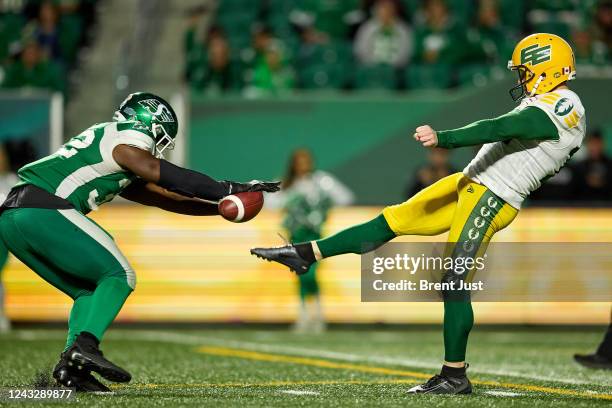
[10, 31]
[512, 13]
[429, 76]
[555, 27]
[322, 76]
[376, 77]
[461, 9]
[238, 6]
[474, 75]
[70, 34]
[554, 5]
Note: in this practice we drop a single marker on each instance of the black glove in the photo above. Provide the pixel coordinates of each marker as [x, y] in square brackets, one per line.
[253, 185]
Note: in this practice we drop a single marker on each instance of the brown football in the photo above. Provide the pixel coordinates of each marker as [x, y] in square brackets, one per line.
[241, 207]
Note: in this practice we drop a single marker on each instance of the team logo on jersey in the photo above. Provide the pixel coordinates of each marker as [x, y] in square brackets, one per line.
[534, 54]
[563, 107]
[157, 109]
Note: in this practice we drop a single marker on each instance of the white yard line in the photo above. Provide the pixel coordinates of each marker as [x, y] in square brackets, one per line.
[299, 392]
[499, 393]
[196, 340]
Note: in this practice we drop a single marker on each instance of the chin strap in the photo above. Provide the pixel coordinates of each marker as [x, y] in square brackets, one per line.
[536, 85]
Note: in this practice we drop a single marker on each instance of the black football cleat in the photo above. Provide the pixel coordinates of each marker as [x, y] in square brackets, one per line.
[85, 356]
[82, 381]
[285, 255]
[441, 384]
[593, 361]
[89, 383]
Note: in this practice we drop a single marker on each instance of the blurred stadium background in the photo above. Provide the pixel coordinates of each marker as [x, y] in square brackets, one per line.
[256, 79]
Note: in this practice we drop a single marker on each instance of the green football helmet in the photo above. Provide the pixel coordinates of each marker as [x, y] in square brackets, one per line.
[155, 114]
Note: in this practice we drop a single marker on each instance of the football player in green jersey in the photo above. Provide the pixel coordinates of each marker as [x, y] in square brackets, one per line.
[43, 220]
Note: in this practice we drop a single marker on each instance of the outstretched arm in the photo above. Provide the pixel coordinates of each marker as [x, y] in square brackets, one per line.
[182, 181]
[153, 195]
[528, 124]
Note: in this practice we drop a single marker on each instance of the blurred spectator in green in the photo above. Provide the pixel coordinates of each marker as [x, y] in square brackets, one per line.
[58, 28]
[589, 50]
[210, 68]
[554, 16]
[32, 69]
[490, 36]
[261, 39]
[45, 30]
[272, 75]
[438, 167]
[306, 198]
[195, 48]
[321, 20]
[592, 179]
[12, 21]
[438, 38]
[384, 38]
[603, 24]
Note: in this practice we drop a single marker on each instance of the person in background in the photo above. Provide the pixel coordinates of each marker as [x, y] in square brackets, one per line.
[32, 69]
[437, 168]
[261, 38]
[306, 197]
[7, 180]
[592, 179]
[193, 46]
[46, 30]
[215, 72]
[490, 35]
[272, 75]
[384, 38]
[322, 20]
[209, 67]
[603, 23]
[602, 358]
[589, 49]
[438, 38]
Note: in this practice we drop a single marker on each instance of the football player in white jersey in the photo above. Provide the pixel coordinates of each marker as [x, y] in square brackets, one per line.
[520, 150]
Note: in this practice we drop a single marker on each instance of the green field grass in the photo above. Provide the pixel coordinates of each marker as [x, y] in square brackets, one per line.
[256, 367]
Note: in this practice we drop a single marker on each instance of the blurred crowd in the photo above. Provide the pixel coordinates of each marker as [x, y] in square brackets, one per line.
[269, 47]
[40, 39]
[586, 180]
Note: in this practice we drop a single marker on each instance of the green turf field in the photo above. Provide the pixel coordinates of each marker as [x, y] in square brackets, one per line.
[252, 367]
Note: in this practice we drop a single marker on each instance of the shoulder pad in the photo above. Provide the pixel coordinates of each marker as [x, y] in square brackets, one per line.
[563, 107]
[134, 125]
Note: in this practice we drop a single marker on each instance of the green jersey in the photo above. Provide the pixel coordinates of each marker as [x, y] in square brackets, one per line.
[83, 170]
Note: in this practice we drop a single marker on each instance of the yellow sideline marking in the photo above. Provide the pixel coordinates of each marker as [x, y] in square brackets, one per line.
[280, 358]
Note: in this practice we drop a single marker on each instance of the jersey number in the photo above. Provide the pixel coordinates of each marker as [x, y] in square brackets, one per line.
[92, 200]
[81, 141]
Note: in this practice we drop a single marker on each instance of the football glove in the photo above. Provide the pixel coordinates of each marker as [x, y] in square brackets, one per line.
[252, 186]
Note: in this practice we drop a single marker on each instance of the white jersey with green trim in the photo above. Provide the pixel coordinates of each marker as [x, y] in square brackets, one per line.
[513, 169]
[83, 170]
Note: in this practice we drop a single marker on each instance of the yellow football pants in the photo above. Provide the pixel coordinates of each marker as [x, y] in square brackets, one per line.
[469, 211]
[471, 214]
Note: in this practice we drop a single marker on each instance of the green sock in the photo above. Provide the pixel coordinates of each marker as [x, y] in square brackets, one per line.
[358, 239]
[308, 283]
[78, 315]
[458, 321]
[106, 302]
